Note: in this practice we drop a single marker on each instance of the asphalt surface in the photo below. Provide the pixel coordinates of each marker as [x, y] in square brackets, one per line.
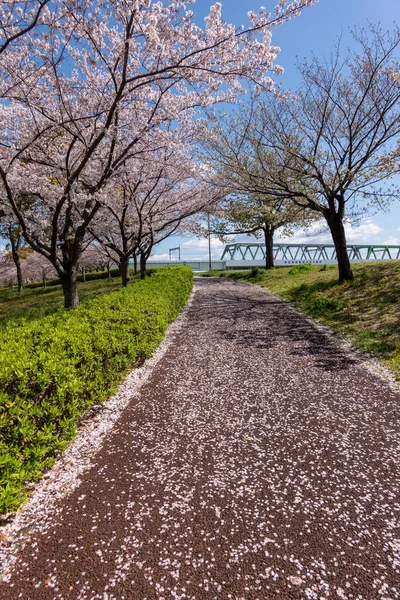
[260, 461]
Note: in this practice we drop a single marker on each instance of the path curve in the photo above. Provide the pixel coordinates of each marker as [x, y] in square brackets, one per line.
[258, 462]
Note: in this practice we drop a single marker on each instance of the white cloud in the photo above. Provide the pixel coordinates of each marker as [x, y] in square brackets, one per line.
[367, 232]
[197, 249]
[193, 249]
[391, 241]
[159, 258]
[201, 243]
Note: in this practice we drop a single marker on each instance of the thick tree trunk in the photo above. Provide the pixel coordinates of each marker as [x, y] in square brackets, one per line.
[70, 288]
[269, 246]
[143, 261]
[339, 239]
[124, 271]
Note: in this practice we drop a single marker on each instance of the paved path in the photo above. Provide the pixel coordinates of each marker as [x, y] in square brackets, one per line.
[259, 462]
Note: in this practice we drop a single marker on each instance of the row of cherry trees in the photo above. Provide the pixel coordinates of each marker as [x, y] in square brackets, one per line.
[98, 114]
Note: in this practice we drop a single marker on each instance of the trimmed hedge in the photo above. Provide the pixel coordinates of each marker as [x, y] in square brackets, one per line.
[53, 369]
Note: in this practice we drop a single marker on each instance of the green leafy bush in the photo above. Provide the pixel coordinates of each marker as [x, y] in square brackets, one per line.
[300, 269]
[55, 368]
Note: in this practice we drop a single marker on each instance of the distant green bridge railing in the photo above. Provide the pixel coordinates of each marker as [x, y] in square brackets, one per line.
[312, 253]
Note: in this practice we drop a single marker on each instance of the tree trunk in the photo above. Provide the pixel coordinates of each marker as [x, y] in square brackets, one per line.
[124, 271]
[143, 260]
[15, 247]
[84, 275]
[109, 271]
[19, 272]
[70, 288]
[339, 239]
[135, 263]
[44, 281]
[269, 246]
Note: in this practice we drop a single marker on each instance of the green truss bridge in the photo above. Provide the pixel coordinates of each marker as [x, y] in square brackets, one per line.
[253, 254]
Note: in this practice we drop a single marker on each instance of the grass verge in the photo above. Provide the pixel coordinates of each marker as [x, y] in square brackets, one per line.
[365, 311]
[53, 369]
[34, 304]
[36, 301]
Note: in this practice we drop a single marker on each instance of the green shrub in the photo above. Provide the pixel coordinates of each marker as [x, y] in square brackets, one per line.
[300, 269]
[323, 304]
[53, 369]
[255, 272]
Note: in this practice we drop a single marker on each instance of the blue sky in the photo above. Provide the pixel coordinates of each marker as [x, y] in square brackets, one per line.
[313, 32]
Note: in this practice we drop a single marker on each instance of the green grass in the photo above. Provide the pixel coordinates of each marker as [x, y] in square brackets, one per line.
[366, 311]
[34, 304]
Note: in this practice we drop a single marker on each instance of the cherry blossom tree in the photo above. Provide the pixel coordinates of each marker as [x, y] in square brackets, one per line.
[258, 214]
[82, 100]
[11, 231]
[334, 146]
[18, 18]
[95, 258]
[247, 205]
[33, 267]
[152, 196]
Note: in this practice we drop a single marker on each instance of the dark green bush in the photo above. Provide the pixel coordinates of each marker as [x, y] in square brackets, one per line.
[55, 368]
[323, 304]
[255, 272]
[238, 275]
[90, 276]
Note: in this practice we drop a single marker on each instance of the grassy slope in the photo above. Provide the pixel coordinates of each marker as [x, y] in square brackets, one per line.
[33, 304]
[366, 311]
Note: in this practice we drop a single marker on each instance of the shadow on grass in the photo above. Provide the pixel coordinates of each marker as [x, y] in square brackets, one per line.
[305, 291]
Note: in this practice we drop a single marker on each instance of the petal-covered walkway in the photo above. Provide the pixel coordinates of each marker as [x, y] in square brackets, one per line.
[260, 461]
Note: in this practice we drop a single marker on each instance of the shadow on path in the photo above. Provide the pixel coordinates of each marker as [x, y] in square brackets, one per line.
[267, 323]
